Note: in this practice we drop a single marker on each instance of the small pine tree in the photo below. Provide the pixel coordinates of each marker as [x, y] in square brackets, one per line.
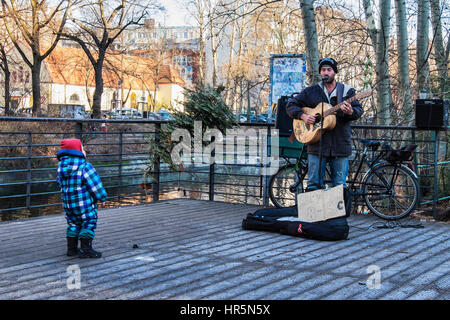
[202, 103]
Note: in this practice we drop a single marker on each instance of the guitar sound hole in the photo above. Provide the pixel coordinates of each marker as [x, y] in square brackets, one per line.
[318, 117]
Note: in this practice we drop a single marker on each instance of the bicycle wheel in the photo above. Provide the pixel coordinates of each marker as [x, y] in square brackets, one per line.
[279, 184]
[391, 192]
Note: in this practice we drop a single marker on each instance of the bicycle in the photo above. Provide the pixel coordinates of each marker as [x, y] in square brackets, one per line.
[390, 188]
[289, 180]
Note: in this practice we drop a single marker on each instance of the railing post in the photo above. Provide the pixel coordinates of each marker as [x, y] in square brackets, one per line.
[211, 178]
[436, 177]
[119, 188]
[79, 130]
[266, 178]
[156, 166]
[415, 165]
[29, 152]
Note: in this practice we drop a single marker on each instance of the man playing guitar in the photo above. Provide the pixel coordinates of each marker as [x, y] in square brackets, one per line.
[334, 146]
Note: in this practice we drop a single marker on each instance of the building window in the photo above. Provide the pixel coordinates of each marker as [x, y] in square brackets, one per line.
[74, 98]
[133, 101]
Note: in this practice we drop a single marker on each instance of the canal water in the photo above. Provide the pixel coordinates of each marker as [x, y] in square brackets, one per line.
[243, 185]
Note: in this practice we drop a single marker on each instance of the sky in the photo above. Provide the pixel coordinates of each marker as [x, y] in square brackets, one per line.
[176, 14]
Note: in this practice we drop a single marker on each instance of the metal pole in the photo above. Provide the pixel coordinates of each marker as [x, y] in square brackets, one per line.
[30, 140]
[79, 130]
[415, 165]
[436, 177]
[211, 177]
[156, 167]
[211, 182]
[119, 189]
[264, 167]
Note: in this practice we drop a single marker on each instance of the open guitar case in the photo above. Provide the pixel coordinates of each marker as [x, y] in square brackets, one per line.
[285, 221]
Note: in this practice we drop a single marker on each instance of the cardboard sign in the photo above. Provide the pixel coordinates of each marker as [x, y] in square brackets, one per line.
[321, 205]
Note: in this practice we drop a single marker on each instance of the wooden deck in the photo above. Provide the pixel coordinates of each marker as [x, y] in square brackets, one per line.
[191, 249]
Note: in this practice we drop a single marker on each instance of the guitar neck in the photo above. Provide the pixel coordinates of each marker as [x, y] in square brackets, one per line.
[338, 106]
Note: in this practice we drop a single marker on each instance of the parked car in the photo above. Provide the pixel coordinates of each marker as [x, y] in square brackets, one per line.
[152, 116]
[273, 117]
[127, 113]
[24, 112]
[261, 118]
[164, 115]
[246, 119]
[109, 114]
[240, 117]
[67, 110]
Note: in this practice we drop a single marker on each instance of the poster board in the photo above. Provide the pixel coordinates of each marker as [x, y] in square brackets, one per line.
[287, 76]
[321, 205]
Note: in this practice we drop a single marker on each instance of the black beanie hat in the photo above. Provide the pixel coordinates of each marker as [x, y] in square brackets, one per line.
[330, 62]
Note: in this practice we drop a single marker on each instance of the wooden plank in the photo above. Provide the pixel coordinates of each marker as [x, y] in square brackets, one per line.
[191, 249]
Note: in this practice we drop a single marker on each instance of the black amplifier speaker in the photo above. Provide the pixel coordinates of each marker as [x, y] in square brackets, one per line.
[283, 122]
[432, 114]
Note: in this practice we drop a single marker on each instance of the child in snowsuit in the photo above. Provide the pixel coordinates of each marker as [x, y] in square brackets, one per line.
[81, 190]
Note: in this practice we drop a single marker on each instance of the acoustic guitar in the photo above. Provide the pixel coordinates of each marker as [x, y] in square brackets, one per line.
[311, 133]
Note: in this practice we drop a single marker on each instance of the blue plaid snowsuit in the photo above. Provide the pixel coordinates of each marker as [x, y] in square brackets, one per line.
[81, 189]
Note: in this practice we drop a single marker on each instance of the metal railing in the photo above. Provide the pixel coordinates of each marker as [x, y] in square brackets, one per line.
[120, 155]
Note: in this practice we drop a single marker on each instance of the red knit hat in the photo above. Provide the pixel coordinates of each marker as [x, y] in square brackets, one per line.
[73, 144]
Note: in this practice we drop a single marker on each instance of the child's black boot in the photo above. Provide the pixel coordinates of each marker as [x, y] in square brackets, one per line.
[86, 250]
[72, 246]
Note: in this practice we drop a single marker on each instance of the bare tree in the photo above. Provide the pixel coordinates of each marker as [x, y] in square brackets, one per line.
[161, 54]
[5, 58]
[380, 40]
[230, 59]
[440, 54]
[215, 40]
[403, 59]
[38, 26]
[197, 9]
[310, 30]
[422, 52]
[4, 65]
[96, 25]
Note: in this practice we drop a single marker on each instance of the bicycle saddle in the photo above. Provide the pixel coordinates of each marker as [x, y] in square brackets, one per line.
[373, 144]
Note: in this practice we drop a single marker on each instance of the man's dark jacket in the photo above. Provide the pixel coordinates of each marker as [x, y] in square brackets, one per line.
[336, 142]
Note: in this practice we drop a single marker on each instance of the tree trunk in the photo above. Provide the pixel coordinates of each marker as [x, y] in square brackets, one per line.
[438, 46]
[380, 42]
[213, 45]
[370, 21]
[97, 100]
[7, 89]
[7, 75]
[312, 51]
[382, 68]
[230, 59]
[403, 59]
[201, 56]
[36, 85]
[423, 69]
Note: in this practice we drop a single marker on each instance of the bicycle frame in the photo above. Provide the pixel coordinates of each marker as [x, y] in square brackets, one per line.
[372, 165]
[361, 162]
